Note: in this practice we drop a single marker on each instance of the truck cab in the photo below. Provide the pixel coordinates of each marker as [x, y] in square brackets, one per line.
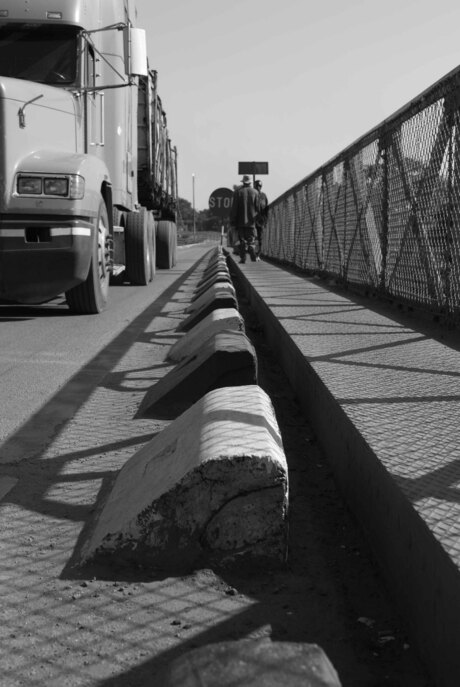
[77, 103]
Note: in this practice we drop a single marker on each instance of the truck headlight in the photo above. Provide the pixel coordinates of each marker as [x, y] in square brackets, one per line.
[29, 186]
[61, 186]
[58, 186]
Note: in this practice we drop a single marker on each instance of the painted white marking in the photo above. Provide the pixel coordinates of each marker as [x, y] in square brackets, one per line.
[12, 233]
[81, 231]
[54, 231]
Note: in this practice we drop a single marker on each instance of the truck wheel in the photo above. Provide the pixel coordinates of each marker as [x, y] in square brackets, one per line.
[166, 234]
[90, 297]
[137, 248]
[119, 220]
[174, 244]
[152, 244]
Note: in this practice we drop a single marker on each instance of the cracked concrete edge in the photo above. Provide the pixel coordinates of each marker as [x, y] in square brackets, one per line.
[226, 446]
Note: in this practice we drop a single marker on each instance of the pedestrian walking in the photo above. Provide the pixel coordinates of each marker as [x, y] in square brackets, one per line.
[245, 209]
[261, 219]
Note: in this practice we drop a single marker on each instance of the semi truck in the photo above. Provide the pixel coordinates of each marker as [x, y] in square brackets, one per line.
[88, 174]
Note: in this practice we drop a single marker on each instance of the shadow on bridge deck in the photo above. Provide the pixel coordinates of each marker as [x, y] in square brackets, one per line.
[383, 394]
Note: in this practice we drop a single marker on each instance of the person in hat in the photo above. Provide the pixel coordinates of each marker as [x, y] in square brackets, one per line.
[261, 219]
[245, 209]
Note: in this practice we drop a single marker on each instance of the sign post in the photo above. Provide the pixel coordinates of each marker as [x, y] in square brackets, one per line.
[220, 204]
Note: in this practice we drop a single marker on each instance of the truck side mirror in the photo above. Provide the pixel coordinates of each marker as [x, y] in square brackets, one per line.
[135, 51]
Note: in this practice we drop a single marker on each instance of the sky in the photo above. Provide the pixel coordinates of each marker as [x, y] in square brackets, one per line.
[291, 82]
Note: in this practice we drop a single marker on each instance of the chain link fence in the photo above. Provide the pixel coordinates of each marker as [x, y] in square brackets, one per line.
[384, 214]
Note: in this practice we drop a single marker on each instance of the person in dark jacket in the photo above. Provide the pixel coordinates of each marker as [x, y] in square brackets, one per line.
[245, 209]
[261, 219]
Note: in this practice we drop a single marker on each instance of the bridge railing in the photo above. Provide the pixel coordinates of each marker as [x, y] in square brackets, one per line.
[384, 213]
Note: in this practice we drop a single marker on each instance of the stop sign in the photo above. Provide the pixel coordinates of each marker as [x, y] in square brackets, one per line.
[220, 202]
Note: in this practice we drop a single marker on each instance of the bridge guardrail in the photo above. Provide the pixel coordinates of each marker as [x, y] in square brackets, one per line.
[385, 212]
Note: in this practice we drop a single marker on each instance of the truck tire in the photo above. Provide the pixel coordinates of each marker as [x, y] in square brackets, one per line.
[138, 248]
[174, 244]
[166, 234]
[90, 297]
[119, 220]
[152, 244]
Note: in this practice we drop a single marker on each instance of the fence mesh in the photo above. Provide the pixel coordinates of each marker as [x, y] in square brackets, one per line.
[385, 212]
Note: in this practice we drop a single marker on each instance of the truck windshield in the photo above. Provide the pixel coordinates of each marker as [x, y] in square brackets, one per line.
[47, 54]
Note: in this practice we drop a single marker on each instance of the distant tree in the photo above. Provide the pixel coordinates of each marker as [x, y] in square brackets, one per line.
[204, 220]
[209, 221]
[184, 214]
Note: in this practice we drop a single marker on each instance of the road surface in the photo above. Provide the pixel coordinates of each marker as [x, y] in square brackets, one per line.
[70, 388]
[43, 347]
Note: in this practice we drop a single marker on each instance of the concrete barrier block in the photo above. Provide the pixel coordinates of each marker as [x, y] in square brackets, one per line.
[216, 321]
[218, 257]
[197, 293]
[210, 489]
[228, 358]
[212, 272]
[218, 301]
[214, 260]
[219, 265]
[251, 662]
[210, 293]
[217, 252]
[219, 276]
